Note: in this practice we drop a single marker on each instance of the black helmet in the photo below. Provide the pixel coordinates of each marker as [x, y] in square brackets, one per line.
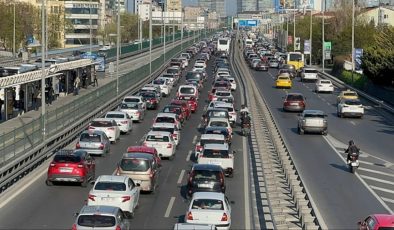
[351, 142]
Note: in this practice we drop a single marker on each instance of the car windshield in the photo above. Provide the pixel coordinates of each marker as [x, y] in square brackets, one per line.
[218, 123]
[112, 186]
[313, 115]
[163, 129]
[115, 115]
[225, 94]
[131, 100]
[129, 106]
[101, 124]
[86, 137]
[206, 175]
[325, 82]
[220, 85]
[165, 120]
[187, 90]
[157, 138]
[210, 204]
[211, 141]
[95, 221]
[139, 165]
[215, 153]
[67, 159]
[295, 98]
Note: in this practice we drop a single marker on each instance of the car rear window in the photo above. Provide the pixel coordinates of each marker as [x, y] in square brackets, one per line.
[314, 115]
[353, 102]
[310, 71]
[193, 77]
[229, 109]
[211, 141]
[67, 159]
[86, 137]
[172, 110]
[129, 106]
[225, 94]
[163, 129]
[325, 82]
[220, 85]
[206, 175]
[157, 138]
[165, 120]
[131, 100]
[187, 90]
[218, 123]
[173, 71]
[101, 124]
[215, 153]
[210, 204]
[115, 115]
[139, 165]
[95, 221]
[113, 186]
[283, 78]
[217, 114]
[295, 97]
[159, 82]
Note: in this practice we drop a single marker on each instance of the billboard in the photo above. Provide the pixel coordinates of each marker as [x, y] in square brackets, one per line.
[248, 23]
[307, 46]
[358, 54]
[283, 5]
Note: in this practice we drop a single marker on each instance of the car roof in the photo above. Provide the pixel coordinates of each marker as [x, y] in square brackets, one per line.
[103, 119]
[313, 111]
[165, 125]
[133, 96]
[92, 131]
[112, 178]
[218, 119]
[138, 155]
[217, 109]
[99, 209]
[117, 112]
[166, 115]
[385, 219]
[208, 195]
[309, 68]
[216, 146]
[212, 136]
[211, 167]
[162, 133]
[222, 104]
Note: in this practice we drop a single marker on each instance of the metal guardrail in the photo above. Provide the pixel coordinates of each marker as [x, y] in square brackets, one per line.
[28, 147]
[374, 100]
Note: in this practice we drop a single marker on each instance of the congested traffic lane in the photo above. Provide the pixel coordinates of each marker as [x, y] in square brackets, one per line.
[43, 207]
[340, 197]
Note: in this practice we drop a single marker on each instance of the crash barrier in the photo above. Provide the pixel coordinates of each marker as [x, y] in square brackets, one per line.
[374, 100]
[284, 200]
[22, 149]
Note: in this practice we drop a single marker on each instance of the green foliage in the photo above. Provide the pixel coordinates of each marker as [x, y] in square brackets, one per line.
[357, 80]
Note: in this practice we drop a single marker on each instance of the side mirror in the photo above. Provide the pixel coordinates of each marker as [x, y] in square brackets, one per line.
[76, 214]
[92, 182]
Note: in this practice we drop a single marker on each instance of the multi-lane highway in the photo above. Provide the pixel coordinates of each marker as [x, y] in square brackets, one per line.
[43, 207]
[341, 197]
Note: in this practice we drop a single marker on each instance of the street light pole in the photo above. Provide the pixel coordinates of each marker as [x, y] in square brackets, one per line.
[294, 26]
[173, 28]
[182, 30]
[323, 48]
[353, 53]
[90, 26]
[13, 47]
[43, 117]
[150, 37]
[310, 41]
[164, 32]
[117, 48]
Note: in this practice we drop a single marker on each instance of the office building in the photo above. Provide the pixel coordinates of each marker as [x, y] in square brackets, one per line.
[246, 5]
[265, 5]
[144, 7]
[173, 5]
[217, 6]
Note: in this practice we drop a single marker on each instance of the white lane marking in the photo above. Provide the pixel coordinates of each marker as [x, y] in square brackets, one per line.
[169, 207]
[376, 172]
[188, 155]
[194, 140]
[388, 200]
[246, 185]
[383, 190]
[377, 180]
[199, 126]
[353, 123]
[370, 188]
[181, 176]
[366, 162]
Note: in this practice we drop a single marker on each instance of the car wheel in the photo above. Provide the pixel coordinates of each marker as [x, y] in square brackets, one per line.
[300, 131]
[325, 133]
[84, 183]
[129, 215]
[231, 175]
[49, 183]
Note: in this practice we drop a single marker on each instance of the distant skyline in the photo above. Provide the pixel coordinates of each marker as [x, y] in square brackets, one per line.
[231, 5]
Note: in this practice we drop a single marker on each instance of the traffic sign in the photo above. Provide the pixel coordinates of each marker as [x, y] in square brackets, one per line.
[248, 23]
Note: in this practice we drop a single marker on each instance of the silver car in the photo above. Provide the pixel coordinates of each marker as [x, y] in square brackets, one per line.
[94, 142]
[314, 121]
[101, 217]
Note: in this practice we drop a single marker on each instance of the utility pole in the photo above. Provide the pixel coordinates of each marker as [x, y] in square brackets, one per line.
[323, 48]
[164, 43]
[150, 37]
[353, 51]
[294, 26]
[117, 49]
[182, 30]
[90, 26]
[310, 41]
[14, 45]
[43, 117]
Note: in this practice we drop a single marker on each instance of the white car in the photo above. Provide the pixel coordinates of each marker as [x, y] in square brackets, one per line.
[220, 122]
[108, 126]
[135, 110]
[350, 108]
[163, 84]
[233, 83]
[118, 191]
[186, 55]
[168, 127]
[184, 60]
[135, 99]
[162, 142]
[168, 118]
[218, 154]
[323, 85]
[122, 119]
[208, 139]
[200, 62]
[225, 105]
[223, 93]
[209, 208]
[309, 74]
[199, 67]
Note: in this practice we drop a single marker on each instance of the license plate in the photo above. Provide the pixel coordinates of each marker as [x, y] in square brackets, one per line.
[354, 164]
[65, 170]
[106, 198]
[293, 103]
[205, 185]
[215, 163]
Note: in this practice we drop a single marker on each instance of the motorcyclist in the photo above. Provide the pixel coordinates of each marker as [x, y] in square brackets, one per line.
[244, 110]
[352, 149]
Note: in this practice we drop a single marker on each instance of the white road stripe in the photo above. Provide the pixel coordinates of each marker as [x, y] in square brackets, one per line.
[353, 123]
[382, 189]
[246, 185]
[188, 155]
[199, 126]
[194, 140]
[366, 162]
[376, 172]
[169, 207]
[388, 200]
[378, 180]
[181, 176]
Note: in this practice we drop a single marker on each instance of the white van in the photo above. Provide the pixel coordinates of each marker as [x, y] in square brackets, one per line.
[188, 91]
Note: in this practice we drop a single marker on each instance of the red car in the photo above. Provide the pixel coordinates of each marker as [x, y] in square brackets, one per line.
[192, 101]
[185, 107]
[71, 166]
[145, 149]
[377, 222]
[294, 102]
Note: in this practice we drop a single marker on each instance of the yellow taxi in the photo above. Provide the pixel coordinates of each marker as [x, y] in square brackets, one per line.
[283, 81]
[347, 94]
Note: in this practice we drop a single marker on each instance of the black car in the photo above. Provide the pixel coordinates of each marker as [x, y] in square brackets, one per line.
[206, 178]
[152, 101]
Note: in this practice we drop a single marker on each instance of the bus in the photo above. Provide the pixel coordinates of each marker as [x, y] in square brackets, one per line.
[224, 45]
[296, 59]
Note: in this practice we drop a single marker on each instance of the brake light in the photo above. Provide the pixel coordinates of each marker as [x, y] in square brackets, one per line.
[174, 135]
[224, 217]
[74, 227]
[126, 198]
[138, 113]
[80, 165]
[77, 145]
[91, 197]
[124, 122]
[169, 146]
[190, 216]
[112, 128]
[118, 227]
[222, 178]
[101, 146]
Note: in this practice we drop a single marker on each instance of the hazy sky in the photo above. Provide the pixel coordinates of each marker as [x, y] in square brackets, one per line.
[231, 5]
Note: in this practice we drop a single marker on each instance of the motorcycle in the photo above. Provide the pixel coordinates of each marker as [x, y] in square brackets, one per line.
[353, 162]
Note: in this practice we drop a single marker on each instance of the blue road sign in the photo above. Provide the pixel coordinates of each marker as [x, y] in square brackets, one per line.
[248, 22]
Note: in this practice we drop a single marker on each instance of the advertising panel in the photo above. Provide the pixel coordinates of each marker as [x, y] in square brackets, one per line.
[307, 46]
[358, 54]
